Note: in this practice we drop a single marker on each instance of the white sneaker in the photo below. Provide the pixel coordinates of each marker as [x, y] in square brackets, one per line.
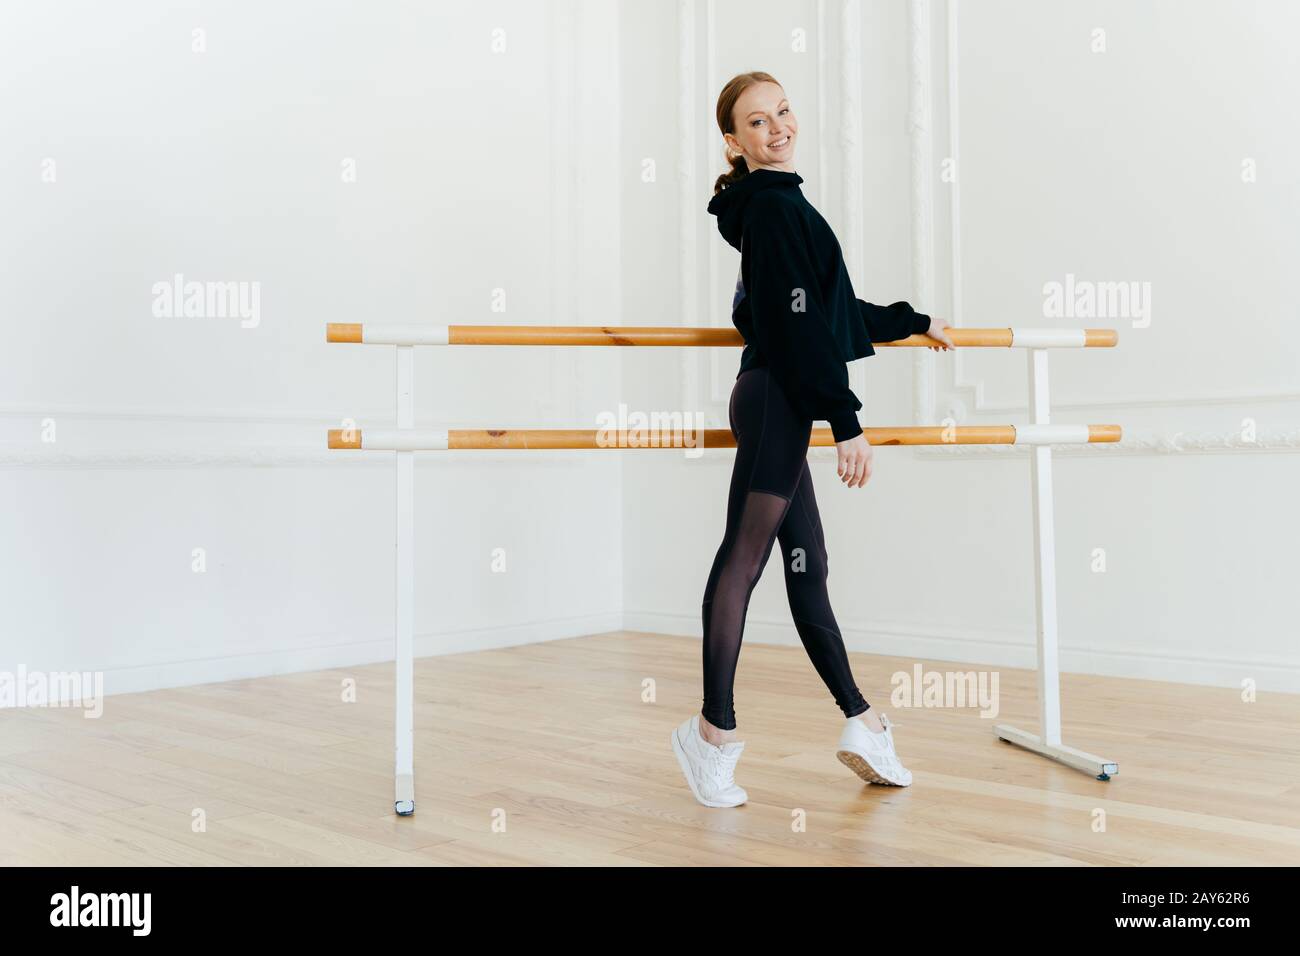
[709, 770]
[871, 755]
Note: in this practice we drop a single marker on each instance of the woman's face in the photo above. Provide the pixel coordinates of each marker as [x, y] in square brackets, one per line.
[766, 129]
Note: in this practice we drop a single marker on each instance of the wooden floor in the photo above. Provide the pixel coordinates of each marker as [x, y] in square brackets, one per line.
[551, 754]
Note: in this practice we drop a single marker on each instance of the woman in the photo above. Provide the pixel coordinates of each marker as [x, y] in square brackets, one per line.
[801, 323]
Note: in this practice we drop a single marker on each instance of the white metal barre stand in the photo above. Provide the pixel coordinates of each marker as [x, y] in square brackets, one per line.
[404, 612]
[1049, 681]
[405, 440]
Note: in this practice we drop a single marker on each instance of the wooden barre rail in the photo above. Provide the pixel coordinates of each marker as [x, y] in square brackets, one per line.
[535, 439]
[368, 334]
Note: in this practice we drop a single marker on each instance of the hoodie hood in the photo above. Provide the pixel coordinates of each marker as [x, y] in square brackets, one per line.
[729, 205]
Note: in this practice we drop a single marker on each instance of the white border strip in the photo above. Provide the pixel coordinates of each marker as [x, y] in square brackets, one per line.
[1045, 435]
[403, 439]
[1048, 338]
[404, 334]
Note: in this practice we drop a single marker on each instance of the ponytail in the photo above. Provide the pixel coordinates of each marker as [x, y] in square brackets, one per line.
[739, 170]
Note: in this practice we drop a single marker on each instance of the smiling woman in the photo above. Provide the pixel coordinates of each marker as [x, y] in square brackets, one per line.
[795, 308]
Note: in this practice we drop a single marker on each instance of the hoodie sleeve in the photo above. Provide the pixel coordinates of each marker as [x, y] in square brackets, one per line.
[889, 323]
[790, 325]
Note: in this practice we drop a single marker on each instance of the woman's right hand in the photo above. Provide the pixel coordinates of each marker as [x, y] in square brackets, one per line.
[854, 466]
[938, 334]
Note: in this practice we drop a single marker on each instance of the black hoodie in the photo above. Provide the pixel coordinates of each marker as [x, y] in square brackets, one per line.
[794, 303]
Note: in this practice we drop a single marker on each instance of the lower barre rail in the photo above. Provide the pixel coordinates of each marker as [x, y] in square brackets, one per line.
[535, 439]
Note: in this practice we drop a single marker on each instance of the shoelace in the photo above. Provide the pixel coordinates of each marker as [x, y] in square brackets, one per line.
[889, 756]
[725, 765]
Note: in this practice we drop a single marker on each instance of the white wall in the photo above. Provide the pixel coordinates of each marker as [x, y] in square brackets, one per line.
[523, 170]
[1115, 166]
[475, 171]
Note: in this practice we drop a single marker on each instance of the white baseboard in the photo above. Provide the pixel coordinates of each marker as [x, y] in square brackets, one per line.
[1003, 650]
[889, 640]
[214, 670]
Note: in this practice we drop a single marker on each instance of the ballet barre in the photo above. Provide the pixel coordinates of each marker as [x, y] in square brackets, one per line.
[665, 335]
[406, 439]
[545, 439]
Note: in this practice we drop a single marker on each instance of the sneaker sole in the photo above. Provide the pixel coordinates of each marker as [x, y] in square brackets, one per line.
[858, 764]
[685, 764]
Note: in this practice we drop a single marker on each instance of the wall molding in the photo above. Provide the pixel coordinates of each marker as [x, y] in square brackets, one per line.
[852, 161]
[716, 410]
[1241, 396]
[921, 155]
[688, 227]
[566, 25]
[199, 416]
[1178, 443]
[40, 456]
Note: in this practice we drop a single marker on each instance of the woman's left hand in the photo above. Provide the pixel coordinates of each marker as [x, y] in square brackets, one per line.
[937, 333]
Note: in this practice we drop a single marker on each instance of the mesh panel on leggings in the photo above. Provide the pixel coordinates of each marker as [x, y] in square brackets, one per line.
[803, 547]
[737, 569]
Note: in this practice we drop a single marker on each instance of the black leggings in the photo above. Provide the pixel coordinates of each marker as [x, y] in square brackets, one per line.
[771, 497]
